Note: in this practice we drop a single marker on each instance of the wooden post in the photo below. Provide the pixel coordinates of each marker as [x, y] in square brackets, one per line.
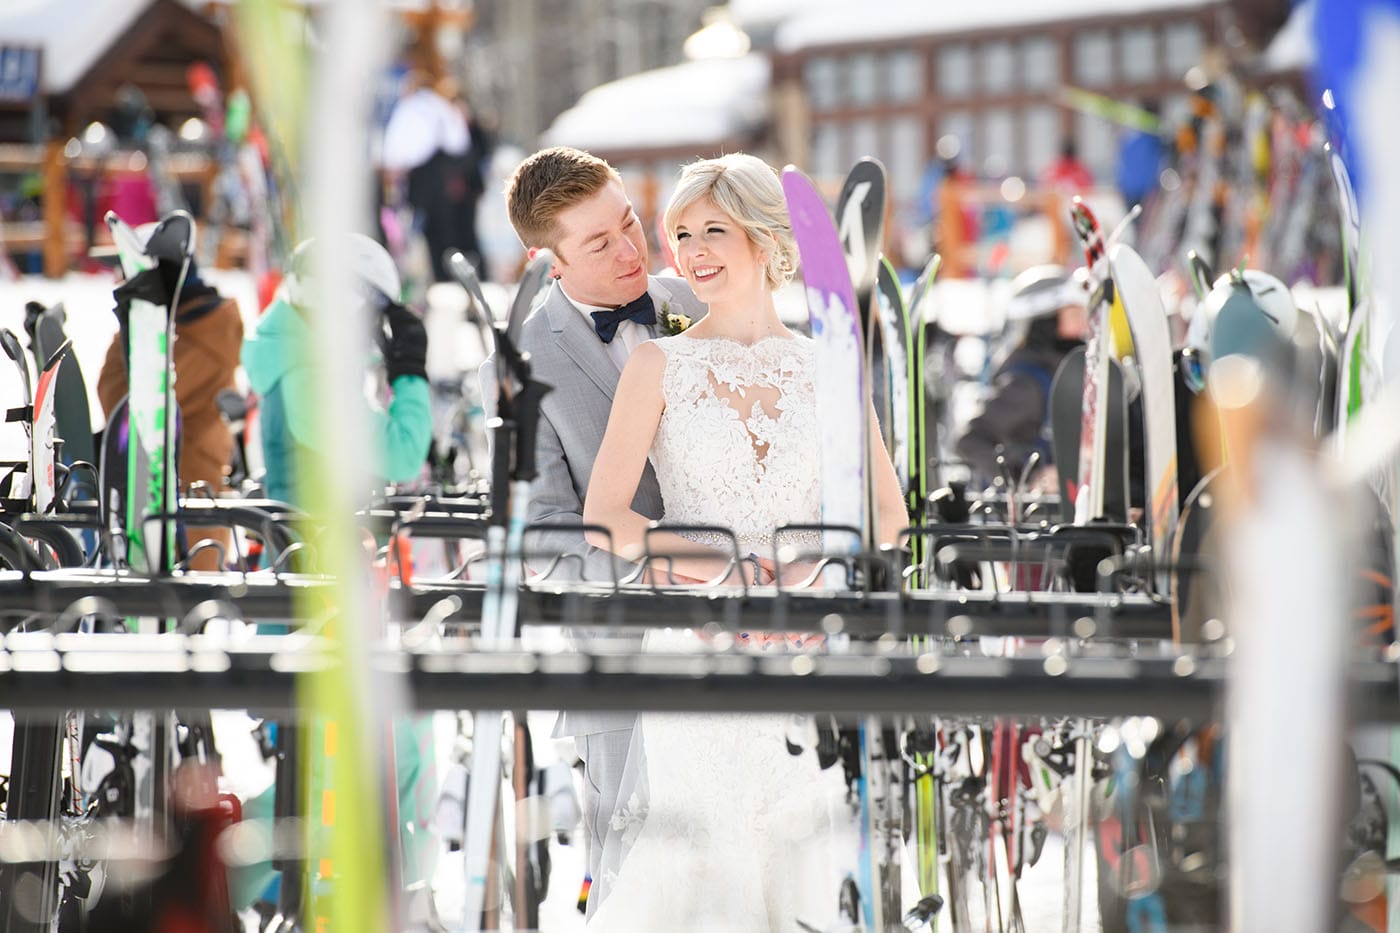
[55, 209]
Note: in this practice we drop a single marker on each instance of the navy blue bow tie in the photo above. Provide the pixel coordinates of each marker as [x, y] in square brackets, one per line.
[643, 311]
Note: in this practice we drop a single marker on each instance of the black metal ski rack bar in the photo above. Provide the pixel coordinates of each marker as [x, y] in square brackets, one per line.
[269, 596]
[41, 672]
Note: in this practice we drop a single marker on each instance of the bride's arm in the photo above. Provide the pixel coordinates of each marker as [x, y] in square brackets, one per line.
[636, 413]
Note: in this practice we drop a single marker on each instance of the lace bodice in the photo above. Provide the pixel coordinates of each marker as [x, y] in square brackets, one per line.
[738, 444]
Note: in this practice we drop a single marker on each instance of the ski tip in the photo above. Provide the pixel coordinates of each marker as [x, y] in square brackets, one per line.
[11, 344]
[794, 179]
[59, 352]
[173, 238]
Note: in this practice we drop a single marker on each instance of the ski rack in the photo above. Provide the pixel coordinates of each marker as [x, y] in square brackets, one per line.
[47, 673]
[274, 595]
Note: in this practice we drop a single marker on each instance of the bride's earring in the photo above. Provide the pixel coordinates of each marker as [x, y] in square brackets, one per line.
[785, 269]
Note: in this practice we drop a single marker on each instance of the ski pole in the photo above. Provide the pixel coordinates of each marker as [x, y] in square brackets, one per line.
[513, 470]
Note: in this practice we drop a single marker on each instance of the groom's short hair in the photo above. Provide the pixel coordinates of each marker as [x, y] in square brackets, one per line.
[548, 182]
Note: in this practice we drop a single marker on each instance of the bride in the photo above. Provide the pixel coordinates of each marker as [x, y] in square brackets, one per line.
[718, 826]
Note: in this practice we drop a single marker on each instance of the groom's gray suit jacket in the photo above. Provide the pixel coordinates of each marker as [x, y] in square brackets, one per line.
[567, 354]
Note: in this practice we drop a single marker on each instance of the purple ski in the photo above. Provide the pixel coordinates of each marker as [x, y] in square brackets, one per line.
[831, 304]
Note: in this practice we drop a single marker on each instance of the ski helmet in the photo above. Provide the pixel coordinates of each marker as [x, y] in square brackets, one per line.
[1265, 292]
[371, 263]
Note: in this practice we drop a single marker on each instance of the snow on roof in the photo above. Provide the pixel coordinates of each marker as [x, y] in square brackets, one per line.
[754, 13]
[72, 34]
[75, 33]
[698, 102]
[1293, 47]
[835, 22]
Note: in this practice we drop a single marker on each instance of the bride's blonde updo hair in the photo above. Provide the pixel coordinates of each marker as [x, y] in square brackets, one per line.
[748, 190]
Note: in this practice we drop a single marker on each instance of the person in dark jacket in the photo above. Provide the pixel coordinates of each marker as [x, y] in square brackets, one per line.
[1014, 422]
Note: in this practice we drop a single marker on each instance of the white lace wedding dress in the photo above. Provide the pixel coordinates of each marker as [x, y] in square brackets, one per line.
[719, 826]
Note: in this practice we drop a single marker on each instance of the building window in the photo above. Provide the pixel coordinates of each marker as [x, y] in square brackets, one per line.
[1140, 54]
[998, 67]
[1176, 110]
[1098, 145]
[823, 81]
[864, 80]
[1042, 135]
[1000, 152]
[958, 124]
[906, 76]
[1184, 45]
[907, 157]
[865, 140]
[954, 71]
[1093, 59]
[826, 152]
[1040, 64]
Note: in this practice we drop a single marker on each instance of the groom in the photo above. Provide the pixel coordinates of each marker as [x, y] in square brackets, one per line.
[602, 305]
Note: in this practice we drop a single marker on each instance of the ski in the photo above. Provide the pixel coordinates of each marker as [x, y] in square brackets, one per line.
[897, 414]
[44, 436]
[74, 420]
[151, 484]
[22, 473]
[860, 225]
[1088, 492]
[841, 388]
[151, 488]
[843, 395]
[1137, 290]
[923, 463]
[1066, 419]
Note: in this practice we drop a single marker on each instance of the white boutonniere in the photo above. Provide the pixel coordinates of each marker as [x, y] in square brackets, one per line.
[671, 322]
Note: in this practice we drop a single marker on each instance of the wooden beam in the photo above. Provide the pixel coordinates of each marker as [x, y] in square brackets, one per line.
[55, 209]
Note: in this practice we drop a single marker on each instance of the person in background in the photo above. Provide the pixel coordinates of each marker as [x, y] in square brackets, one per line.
[208, 334]
[1140, 157]
[1050, 304]
[957, 227]
[434, 157]
[1065, 178]
[281, 371]
[1067, 174]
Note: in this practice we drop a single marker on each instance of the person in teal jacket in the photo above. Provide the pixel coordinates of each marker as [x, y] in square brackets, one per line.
[280, 361]
[281, 370]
